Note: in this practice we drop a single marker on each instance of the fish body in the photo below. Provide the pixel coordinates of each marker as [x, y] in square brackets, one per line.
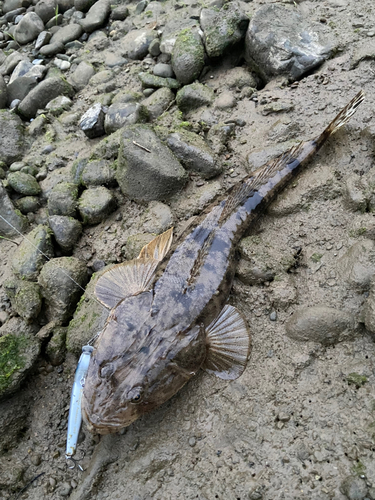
[168, 315]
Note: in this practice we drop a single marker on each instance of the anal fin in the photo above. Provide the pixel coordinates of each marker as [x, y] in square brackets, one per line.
[228, 344]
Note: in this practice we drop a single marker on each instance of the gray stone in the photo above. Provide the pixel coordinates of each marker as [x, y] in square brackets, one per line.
[24, 184]
[83, 5]
[46, 9]
[52, 49]
[120, 114]
[3, 93]
[193, 153]
[60, 292]
[172, 30]
[28, 260]
[188, 56]
[225, 100]
[95, 204]
[43, 39]
[120, 13]
[136, 43]
[62, 199]
[66, 231]
[224, 28]
[65, 5]
[357, 265]
[157, 103]
[92, 122]
[157, 218]
[154, 47]
[81, 75]
[11, 62]
[156, 82]
[54, 21]
[10, 214]
[12, 142]
[20, 70]
[28, 28]
[354, 488]
[98, 172]
[355, 193]
[239, 78]
[293, 47]
[58, 105]
[18, 353]
[25, 298]
[42, 94]
[163, 70]
[11, 16]
[67, 34]
[28, 204]
[141, 6]
[56, 347]
[21, 87]
[194, 96]
[321, 324]
[10, 5]
[96, 16]
[152, 174]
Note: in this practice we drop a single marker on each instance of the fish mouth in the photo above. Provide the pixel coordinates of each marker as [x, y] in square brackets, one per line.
[96, 425]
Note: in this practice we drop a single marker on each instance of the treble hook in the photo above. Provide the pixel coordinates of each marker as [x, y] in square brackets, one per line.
[75, 462]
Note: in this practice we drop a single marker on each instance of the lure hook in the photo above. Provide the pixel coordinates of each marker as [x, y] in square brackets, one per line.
[74, 462]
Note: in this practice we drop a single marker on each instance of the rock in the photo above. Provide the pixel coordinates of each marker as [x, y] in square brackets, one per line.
[52, 49]
[56, 347]
[239, 78]
[43, 39]
[28, 260]
[357, 265]
[277, 107]
[355, 193]
[194, 96]
[292, 48]
[188, 56]
[92, 122]
[28, 204]
[152, 174]
[362, 51]
[20, 87]
[60, 292]
[83, 5]
[120, 13]
[157, 218]
[225, 100]
[44, 92]
[120, 114]
[154, 47]
[66, 231]
[95, 204]
[321, 324]
[196, 199]
[10, 5]
[96, 16]
[157, 103]
[11, 62]
[26, 68]
[136, 43]
[24, 184]
[11, 215]
[28, 28]
[89, 318]
[58, 105]
[156, 82]
[193, 153]
[81, 75]
[172, 30]
[25, 297]
[3, 93]
[18, 353]
[354, 488]
[46, 9]
[67, 34]
[12, 142]
[164, 70]
[98, 172]
[223, 29]
[134, 245]
[62, 199]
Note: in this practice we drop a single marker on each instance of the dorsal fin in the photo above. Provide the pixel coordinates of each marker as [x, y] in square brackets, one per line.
[242, 191]
[158, 247]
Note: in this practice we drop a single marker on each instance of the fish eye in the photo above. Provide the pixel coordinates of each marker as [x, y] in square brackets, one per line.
[135, 395]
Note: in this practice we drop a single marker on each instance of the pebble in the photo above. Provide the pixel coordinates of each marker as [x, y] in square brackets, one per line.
[192, 441]
[273, 316]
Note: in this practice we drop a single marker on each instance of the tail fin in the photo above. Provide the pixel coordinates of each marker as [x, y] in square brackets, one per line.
[344, 115]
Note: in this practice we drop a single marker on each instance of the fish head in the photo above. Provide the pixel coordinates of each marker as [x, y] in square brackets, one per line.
[135, 371]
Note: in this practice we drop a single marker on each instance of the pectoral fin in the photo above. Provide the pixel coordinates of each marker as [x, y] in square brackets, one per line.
[124, 280]
[228, 344]
[158, 247]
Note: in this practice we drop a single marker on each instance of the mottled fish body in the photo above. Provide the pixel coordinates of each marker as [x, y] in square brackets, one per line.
[168, 315]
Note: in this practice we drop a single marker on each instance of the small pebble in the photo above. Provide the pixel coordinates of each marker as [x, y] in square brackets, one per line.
[192, 441]
[273, 316]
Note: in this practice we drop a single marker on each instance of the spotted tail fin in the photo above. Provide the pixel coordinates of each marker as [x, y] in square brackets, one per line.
[344, 115]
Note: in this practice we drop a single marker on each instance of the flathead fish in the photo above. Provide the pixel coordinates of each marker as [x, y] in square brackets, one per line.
[168, 316]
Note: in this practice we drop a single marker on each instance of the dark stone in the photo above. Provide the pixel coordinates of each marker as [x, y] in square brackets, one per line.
[188, 56]
[92, 122]
[95, 204]
[66, 231]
